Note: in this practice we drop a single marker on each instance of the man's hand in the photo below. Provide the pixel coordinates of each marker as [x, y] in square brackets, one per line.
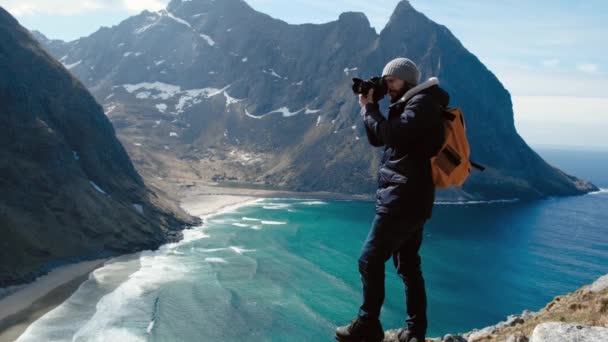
[363, 100]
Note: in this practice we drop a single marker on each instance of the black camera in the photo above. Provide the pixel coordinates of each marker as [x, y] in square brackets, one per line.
[377, 83]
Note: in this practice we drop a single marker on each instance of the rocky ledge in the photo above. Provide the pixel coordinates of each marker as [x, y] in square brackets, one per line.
[578, 316]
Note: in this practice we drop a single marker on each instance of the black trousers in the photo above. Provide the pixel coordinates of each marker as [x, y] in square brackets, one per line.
[399, 237]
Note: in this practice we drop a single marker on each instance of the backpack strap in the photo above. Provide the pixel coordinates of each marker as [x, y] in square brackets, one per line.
[477, 166]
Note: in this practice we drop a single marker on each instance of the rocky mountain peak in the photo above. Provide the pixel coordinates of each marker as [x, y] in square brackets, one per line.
[354, 18]
[194, 7]
[406, 17]
[6, 18]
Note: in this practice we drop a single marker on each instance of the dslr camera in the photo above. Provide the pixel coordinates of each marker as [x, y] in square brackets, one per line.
[377, 83]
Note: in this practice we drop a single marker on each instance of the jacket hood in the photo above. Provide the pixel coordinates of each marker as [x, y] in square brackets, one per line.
[430, 87]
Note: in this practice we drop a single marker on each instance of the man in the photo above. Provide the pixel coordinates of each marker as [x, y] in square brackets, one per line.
[411, 134]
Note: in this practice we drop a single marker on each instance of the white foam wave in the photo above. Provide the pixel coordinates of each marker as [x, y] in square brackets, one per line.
[150, 327]
[241, 225]
[273, 222]
[109, 299]
[193, 234]
[478, 202]
[120, 293]
[313, 203]
[237, 249]
[116, 309]
[600, 191]
[240, 250]
[210, 250]
[216, 260]
[276, 206]
[250, 219]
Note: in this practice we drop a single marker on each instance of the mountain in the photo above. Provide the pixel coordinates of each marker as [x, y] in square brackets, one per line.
[216, 92]
[69, 189]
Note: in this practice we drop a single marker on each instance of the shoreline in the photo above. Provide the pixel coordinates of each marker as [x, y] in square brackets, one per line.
[31, 301]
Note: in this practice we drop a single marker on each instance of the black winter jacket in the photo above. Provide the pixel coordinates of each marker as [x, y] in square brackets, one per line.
[411, 135]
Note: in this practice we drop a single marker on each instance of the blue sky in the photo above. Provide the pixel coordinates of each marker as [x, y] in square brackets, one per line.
[550, 55]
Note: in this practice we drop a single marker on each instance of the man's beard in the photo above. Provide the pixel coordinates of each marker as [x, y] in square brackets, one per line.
[397, 95]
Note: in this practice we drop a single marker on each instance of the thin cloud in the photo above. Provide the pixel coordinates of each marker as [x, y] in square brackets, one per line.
[140, 5]
[588, 68]
[22, 8]
[63, 7]
[550, 62]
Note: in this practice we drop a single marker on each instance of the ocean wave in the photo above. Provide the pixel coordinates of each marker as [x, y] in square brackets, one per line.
[237, 249]
[241, 225]
[276, 206]
[273, 222]
[116, 294]
[600, 191]
[216, 260]
[513, 200]
[193, 234]
[250, 219]
[150, 327]
[240, 250]
[119, 305]
[210, 250]
[313, 203]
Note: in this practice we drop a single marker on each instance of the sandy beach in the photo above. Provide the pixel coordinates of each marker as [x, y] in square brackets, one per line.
[31, 301]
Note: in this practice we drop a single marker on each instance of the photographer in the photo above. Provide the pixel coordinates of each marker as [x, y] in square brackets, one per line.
[411, 134]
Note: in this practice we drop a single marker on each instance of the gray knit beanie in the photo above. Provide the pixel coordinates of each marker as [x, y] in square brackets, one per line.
[404, 69]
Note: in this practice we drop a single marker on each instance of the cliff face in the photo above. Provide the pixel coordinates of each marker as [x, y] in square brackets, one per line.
[213, 91]
[69, 189]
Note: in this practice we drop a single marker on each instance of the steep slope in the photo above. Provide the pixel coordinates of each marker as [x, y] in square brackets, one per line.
[210, 91]
[69, 189]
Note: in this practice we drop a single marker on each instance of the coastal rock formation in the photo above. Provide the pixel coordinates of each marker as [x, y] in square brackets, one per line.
[578, 316]
[214, 91]
[69, 189]
[555, 331]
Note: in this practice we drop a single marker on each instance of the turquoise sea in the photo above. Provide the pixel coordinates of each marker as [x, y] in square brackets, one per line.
[286, 269]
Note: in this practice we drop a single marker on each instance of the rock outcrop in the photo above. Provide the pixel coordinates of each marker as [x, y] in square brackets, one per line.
[578, 316]
[556, 331]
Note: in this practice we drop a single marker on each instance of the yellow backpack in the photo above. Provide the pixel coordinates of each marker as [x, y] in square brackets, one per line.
[452, 166]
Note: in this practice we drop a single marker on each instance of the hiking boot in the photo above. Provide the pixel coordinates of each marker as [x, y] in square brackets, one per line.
[360, 330]
[406, 335]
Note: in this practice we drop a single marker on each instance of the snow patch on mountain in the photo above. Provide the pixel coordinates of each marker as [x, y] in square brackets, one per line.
[70, 66]
[347, 71]
[311, 111]
[177, 19]
[164, 90]
[230, 100]
[272, 73]
[208, 39]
